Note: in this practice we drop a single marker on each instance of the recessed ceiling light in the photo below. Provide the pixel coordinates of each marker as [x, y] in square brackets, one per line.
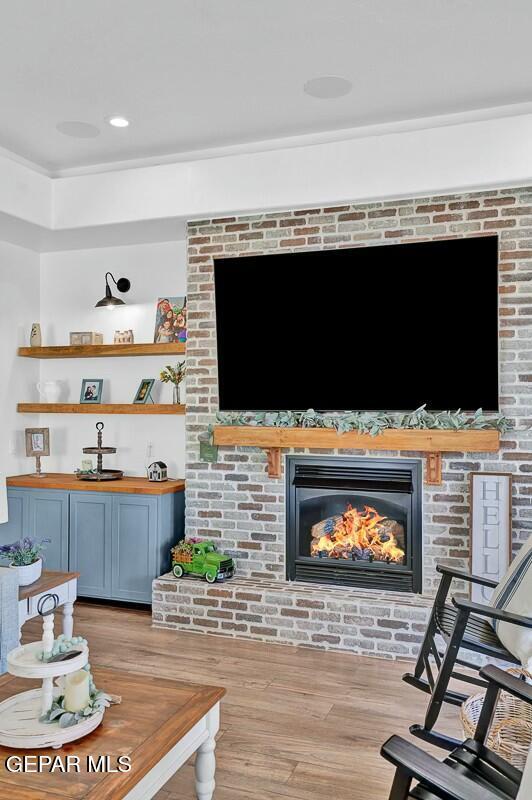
[118, 122]
[327, 87]
[78, 130]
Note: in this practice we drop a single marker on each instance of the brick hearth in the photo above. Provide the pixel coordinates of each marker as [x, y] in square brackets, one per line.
[235, 503]
[372, 623]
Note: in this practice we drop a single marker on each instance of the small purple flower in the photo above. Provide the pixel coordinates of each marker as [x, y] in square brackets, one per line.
[25, 551]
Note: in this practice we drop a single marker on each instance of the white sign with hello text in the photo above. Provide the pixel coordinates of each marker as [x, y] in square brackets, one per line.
[491, 526]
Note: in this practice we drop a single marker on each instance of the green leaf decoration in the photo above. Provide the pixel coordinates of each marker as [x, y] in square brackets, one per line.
[368, 422]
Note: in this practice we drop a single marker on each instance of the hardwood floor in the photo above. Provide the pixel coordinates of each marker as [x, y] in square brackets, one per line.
[297, 724]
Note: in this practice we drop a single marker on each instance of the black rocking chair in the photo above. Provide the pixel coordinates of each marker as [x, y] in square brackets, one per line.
[462, 624]
[471, 771]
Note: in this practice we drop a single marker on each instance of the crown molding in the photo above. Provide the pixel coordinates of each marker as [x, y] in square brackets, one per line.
[281, 143]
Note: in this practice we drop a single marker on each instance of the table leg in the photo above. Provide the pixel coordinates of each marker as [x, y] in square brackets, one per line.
[205, 766]
[68, 622]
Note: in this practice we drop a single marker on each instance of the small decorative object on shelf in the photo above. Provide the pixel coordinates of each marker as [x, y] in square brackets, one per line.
[37, 445]
[54, 714]
[85, 337]
[25, 557]
[171, 320]
[91, 390]
[143, 394]
[174, 375]
[35, 335]
[50, 391]
[158, 472]
[99, 474]
[196, 557]
[123, 337]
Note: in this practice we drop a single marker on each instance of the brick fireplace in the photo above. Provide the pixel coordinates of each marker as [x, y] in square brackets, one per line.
[354, 522]
[234, 501]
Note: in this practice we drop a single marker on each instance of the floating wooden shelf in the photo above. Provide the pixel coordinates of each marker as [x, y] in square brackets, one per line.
[432, 442]
[100, 408]
[99, 350]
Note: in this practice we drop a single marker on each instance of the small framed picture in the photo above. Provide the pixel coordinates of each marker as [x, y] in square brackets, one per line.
[491, 528]
[37, 442]
[143, 394]
[91, 390]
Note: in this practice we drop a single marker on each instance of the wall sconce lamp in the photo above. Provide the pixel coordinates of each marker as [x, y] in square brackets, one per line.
[109, 301]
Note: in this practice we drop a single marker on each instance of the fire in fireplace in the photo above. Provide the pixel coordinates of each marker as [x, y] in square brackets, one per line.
[360, 535]
[354, 521]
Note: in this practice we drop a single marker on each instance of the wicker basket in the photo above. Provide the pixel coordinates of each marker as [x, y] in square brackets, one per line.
[511, 730]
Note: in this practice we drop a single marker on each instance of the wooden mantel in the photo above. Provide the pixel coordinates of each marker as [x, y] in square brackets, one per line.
[431, 442]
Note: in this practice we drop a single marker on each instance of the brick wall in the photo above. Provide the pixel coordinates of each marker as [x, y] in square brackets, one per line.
[233, 500]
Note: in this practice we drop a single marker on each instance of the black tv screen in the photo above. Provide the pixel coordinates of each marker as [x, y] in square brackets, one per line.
[368, 328]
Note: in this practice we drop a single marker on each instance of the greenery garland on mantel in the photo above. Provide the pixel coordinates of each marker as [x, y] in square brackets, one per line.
[370, 422]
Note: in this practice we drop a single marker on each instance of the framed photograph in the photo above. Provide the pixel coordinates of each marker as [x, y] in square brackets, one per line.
[171, 320]
[37, 442]
[85, 337]
[91, 390]
[143, 394]
[491, 528]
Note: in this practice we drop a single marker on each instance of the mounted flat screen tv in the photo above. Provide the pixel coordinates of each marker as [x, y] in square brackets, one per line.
[383, 328]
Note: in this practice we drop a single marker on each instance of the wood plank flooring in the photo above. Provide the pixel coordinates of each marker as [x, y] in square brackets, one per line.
[297, 724]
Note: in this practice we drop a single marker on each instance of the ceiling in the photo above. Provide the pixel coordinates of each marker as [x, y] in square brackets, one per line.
[198, 74]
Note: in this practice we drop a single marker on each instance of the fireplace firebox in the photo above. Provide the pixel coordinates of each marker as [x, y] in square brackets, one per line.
[355, 522]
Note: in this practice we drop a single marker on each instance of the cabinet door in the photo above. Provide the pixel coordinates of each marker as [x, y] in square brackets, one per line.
[48, 515]
[134, 547]
[17, 525]
[90, 542]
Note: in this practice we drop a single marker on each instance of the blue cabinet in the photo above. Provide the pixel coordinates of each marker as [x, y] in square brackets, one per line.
[18, 503]
[118, 542]
[48, 519]
[90, 542]
[134, 547]
[40, 514]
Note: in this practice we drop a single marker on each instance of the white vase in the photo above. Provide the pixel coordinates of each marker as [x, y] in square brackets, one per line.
[28, 573]
[35, 335]
[49, 390]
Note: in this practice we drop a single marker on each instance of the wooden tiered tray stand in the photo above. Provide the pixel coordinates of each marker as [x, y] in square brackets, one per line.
[20, 726]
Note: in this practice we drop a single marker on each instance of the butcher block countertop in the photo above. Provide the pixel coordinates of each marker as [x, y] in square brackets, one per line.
[69, 482]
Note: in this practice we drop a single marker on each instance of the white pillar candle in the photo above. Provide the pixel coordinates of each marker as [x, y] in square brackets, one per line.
[77, 690]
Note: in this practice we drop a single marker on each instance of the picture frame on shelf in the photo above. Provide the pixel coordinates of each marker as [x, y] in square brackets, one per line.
[91, 390]
[143, 393]
[37, 442]
[491, 528]
[170, 320]
[78, 338]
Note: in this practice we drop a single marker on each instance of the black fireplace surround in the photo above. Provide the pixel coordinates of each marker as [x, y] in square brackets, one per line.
[355, 522]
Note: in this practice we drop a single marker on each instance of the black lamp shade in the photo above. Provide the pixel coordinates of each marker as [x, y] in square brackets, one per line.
[110, 301]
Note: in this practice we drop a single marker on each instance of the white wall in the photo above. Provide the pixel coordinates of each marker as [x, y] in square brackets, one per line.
[19, 308]
[71, 283]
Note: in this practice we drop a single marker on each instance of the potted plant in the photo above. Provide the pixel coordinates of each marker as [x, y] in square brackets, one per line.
[26, 557]
[174, 375]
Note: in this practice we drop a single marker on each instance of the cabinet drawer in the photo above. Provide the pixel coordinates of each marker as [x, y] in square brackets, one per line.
[61, 591]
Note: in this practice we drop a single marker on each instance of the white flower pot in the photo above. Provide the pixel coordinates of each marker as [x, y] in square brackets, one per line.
[29, 573]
